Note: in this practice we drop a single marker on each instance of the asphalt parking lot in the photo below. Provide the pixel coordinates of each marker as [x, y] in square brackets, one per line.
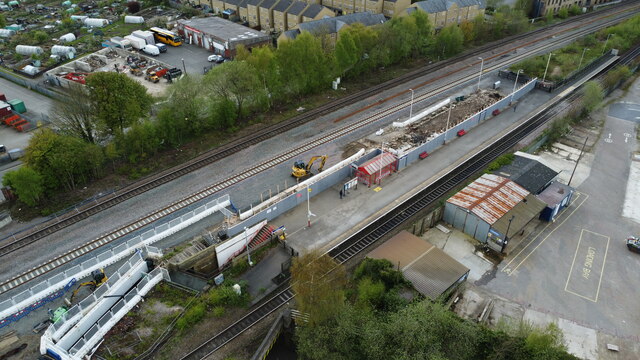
[579, 268]
[195, 58]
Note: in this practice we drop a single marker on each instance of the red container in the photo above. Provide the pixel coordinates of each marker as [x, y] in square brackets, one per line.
[5, 109]
[2, 97]
[10, 119]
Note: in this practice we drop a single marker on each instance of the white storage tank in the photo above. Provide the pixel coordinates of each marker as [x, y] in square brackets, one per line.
[28, 50]
[62, 50]
[133, 19]
[80, 18]
[6, 33]
[96, 22]
[67, 37]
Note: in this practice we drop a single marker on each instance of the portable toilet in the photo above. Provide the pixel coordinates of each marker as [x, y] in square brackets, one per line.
[17, 106]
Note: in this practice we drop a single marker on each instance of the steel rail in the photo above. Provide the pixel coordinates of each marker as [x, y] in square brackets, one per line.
[233, 147]
[99, 242]
[389, 221]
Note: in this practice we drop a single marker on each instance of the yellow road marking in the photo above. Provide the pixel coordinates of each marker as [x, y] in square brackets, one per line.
[578, 195]
[511, 271]
[606, 250]
[376, 189]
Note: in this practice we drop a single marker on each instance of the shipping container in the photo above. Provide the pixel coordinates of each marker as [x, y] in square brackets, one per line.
[136, 42]
[147, 36]
[17, 106]
[15, 154]
[5, 109]
[3, 97]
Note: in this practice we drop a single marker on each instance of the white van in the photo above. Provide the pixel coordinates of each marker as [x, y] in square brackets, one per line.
[151, 50]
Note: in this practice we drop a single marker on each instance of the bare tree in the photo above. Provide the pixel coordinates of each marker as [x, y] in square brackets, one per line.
[74, 116]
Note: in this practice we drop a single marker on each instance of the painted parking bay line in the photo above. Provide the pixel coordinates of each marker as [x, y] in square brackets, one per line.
[509, 269]
[587, 267]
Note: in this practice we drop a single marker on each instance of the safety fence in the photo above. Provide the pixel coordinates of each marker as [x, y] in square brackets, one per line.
[434, 143]
[11, 309]
[85, 324]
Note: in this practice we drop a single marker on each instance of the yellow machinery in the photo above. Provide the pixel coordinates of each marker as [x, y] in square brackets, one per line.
[300, 169]
[99, 278]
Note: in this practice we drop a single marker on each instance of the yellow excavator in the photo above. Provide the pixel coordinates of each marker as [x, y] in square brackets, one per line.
[99, 278]
[300, 169]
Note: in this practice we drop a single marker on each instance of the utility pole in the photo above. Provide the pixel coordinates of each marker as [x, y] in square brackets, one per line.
[309, 213]
[605, 43]
[514, 86]
[547, 67]
[446, 130]
[582, 57]
[577, 161]
[411, 106]
[480, 76]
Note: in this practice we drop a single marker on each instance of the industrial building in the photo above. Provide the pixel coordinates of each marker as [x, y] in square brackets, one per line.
[527, 171]
[446, 12]
[430, 270]
[491, 209]
[219, 35]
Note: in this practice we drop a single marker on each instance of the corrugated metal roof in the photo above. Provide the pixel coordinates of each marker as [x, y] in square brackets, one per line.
[489, 197]
[430, 270]
[374, 165]
[525, 211]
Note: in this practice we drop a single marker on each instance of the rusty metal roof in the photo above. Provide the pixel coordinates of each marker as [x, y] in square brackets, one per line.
[430, 270]
[489, 197]
[374, 165]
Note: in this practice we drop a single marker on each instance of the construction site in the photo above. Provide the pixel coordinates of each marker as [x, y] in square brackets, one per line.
[151, 73]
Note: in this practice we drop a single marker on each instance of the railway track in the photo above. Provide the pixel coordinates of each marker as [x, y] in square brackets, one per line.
[390, 221]
[56, 262]
[19, 241]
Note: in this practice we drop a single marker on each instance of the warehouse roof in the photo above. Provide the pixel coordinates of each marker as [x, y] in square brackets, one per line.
[431, 271]
[332, 25]
[436, 6]
[374, 165]
[313, 10]
[489, 197]
[554, 193]
[297, 8]
[224, 29]
[282, 5]
[529, 208]
[528, 172]
[253, 2]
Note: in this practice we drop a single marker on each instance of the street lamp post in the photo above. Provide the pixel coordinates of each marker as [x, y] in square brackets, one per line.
[506, 236]
[309, 213]
[582, 57]
[514, 86]
[411, 106]
[605, 43]
[480, 76]
[547, 67]
[246, 244]
[184, 67]
[446, 129]
[381, 153]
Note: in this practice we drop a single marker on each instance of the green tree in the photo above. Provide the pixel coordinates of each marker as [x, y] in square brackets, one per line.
[525, 6]
[318, 282]
[549, 16]
[27, 184]
[304, 65]
[184, 114]
[140, 143]
[73, 115]
[424, 32]
[592, 96]
[39, 37]
[117, 100]
[449, 42]
[3, 21]
[235, 81]
[365, 39]
[63, 161]
[263, 60]
[346, 53]
[563, 13]
[575, 10]
[468, 31]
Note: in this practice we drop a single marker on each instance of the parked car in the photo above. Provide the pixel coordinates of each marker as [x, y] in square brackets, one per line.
[162, 47]
[633, 244]
[216, 58]
[151, 50]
